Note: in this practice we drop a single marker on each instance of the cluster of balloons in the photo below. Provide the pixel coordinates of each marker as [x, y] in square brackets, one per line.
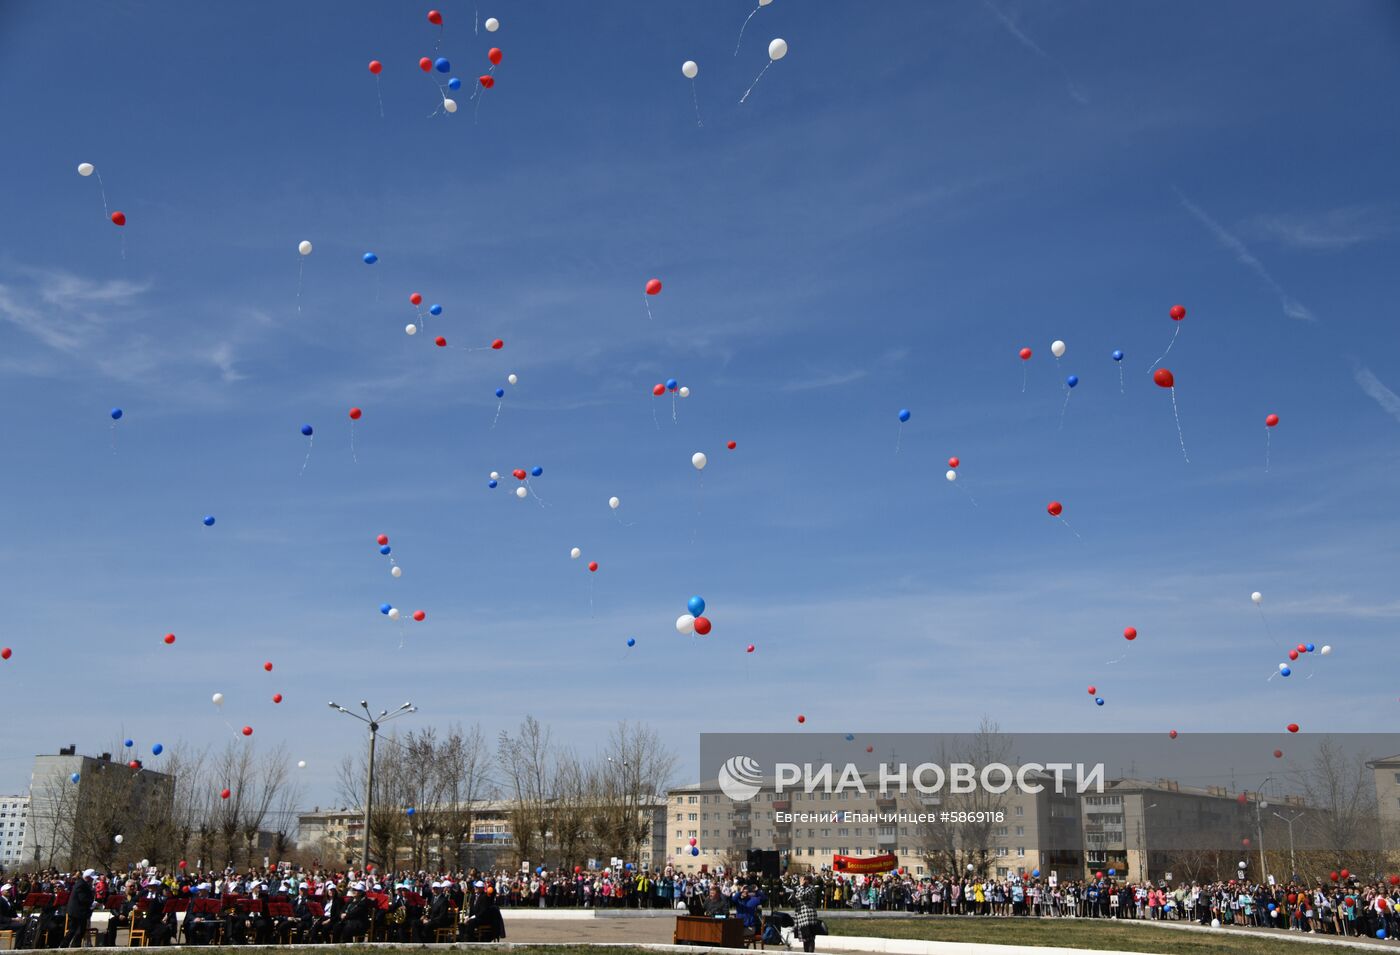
[671, 385]
[693, 621]
[382, 540]
[521, 475]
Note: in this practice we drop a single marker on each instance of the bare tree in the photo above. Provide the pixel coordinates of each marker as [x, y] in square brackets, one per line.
[388, 820]
[464, 764]
[526, 760]
[1341, 789]
[949, 848]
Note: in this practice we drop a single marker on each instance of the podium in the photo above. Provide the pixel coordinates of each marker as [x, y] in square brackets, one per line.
[703, 930]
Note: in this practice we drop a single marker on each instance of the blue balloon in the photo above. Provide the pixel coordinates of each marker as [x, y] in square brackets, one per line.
[370, 258]
[536, 471]
[490, 483]
[1035, 873]
[1098, 701]
[74, 778]
[1072, 380]
[454, 84]
[116, 413]
[409, 810]
[442, 65]
[208, 520]
[1117, 354]
[850, 736]
[128, 743]
[1271, 906]
[672, 384]
[696, 606]
[1284, 671]
[500, 392]
[1380, 933]
[903, 414]
[385, 549]
[434, 309]
[1112, 871]
[384, 609]
[629, 866]
[1310, 648]
[695, 850]
[631, 641]
[307, 430]
[157, 749]
[539, 869]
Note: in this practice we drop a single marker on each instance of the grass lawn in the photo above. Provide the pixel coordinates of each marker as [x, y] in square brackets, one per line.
[1087, 934]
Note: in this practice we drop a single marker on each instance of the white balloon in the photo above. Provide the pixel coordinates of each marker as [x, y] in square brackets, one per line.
[512, 379]
[492, 24]
[684, 392]
[144, 862]
[575, 553]
[698, 460]
[1257, 597]
[1215, 923]
[614, 503]
[951, 475]
[521, 492]
[1057, 348]
[449, 104]
[1282, 667]
[218, 699]
[764, 3]
[85, 168]
[495, 475]
[777, 48]
[117, 839]
[685, 623]
[410, 329]
[396, 572]
[690, 69]
[393, 613]
[1327, 650]
[304, 247]
[301, 764]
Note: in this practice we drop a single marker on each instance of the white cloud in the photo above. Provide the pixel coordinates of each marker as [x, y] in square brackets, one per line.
[1387, 399]
[1075, 91]
[1330, 230]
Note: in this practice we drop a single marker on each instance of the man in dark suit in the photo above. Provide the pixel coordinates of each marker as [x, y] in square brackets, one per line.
[79, 911]
[304, 918]
[439, 915]
[356, 920]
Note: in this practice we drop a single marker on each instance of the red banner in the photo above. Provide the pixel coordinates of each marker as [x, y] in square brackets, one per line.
[864, 865]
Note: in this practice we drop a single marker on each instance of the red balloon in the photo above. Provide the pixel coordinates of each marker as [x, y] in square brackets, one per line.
[419, 615]
[375, 66]
[518, 474]
[1163, 378]
[1093, 690]
[1054, 508]
[693, 840]
[487, 80]
[1278, 754]
[1245, 842]
[169, 638]
[1130, 633]
[1242, 798]
[247, 731]
[750, 649]
[1292, 654]
[1395, 880]
[1098, 875]
[1292, 898]
[578, 869]
[1334, 876]
[498, 344]
[133, 765]
[1346, 874]
[440, 342]
[268, 666]
[183, 863]
[435, 17]
[425, 64]
[801, 718]
[1292, 727]
[4, 653]
[658, 390]
[225, 794]
[382, 539]
[1270, 421]
[416, 299]
[653, 286]
[870, 749]
[1178, 312]
[1302, 648]
[593, 567]
[953, 462]
[355, 414]
[119, 218]
[1025, 354]
[702, 625]
[277, 697]
[1172, 734]
[732, 445]
[494, 55]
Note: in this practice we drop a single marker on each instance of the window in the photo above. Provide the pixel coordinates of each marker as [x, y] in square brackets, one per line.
[678, 833]
[842, 851]
[860, 851]
[843, 831]
[1020, 810]
[1002, 851]
[826, 797]
[825, 832]
[705, 817]
[1003, 872]
[1020, 830]
[692, 800]
[692, 816]
[1397, 777]
[1021, 851]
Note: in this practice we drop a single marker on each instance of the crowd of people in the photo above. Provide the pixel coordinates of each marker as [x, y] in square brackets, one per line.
[282, 904]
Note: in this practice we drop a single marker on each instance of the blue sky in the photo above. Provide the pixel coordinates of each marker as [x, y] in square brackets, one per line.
[914, 193]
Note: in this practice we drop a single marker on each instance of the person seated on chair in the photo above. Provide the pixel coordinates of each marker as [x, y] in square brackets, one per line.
[153, 921]
[332, 911]
[355, 922]
[258, 918]
[121, 916]
[749, 908]
[10, 919]
[200, 927]
[438, 916]
[303, 918]
[474, 927]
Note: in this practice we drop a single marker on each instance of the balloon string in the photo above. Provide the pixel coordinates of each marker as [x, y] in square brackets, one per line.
[1266, 450]
[498, 415]
[968, 493]
[301, 268]
[106, 213]
[352, 444]
[695, 98]
[1269, 632]
[311, 440]
[1169, 347]
[755, 82]
[1023, 378]
[1179, 436]
[699, 501]
[1120, 378]
[1071, 529]
[898, 437]
[742, 29]
[590, 595]
[537, 498]
[619, 519]
[379, 91]
[653, 416]
[1064, 407]
[648, 305]
[114, 437]
[673, 409]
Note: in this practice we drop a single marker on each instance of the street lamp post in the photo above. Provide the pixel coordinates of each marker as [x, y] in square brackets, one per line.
[1259, 806]
[1292, 862]
[373, 722]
